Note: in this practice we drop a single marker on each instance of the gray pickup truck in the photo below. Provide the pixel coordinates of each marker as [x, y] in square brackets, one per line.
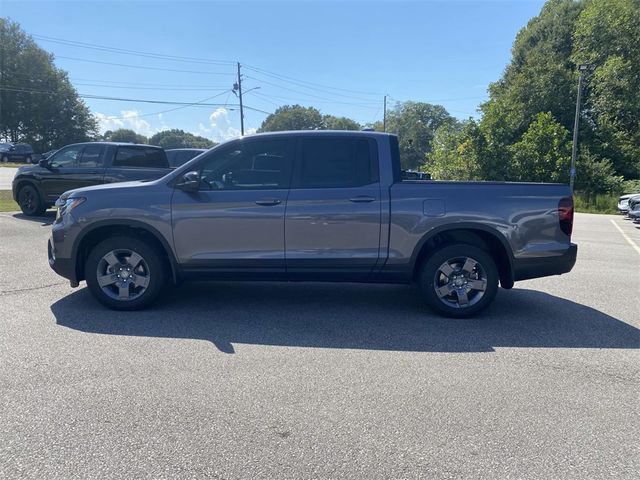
[315, 206]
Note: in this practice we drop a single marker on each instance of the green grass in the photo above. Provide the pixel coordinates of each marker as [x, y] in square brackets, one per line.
[14, 165]
[6, 202]
[600, 203]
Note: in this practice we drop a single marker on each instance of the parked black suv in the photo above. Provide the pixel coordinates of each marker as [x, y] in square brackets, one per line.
[37, 187]
[180, 156]
[20, 152]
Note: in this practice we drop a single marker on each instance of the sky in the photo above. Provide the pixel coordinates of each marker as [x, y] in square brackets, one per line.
[340, 57]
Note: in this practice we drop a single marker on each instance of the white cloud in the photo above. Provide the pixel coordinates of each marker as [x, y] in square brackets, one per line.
[220, 128]
[127, 119]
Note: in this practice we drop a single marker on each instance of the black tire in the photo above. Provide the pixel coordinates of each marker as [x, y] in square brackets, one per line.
[469, 283]
[30, 201]
[154, 269]
[5, 159]
[29, 159]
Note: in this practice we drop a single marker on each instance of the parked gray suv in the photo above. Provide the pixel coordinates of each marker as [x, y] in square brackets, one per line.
[322, 206]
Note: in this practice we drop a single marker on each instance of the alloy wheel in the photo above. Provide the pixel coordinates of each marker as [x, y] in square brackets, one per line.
[123, 274]
[28, 200]
[460, 282]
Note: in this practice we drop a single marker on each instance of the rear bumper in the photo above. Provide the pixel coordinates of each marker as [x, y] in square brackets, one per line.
[545, 266]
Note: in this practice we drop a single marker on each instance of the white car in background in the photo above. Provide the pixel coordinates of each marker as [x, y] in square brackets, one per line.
[623, 202]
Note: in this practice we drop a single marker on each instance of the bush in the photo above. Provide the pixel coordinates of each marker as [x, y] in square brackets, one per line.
[631, 186]
[595, 203]
[597, 175]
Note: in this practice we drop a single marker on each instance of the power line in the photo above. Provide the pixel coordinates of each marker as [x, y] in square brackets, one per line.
[363, 105]
[292, 90]
[198, 103]
[105, 48]
[131, 87]
[141, 66]
[132, 100]
[119, 82]
[124, 51]
[312, 89]
[258, 110]
[298, 81]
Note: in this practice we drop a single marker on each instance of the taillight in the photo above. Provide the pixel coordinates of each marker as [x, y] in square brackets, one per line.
[565, 214]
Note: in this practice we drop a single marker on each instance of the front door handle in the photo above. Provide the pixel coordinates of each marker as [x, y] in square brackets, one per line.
[268, 202]
[362, 199]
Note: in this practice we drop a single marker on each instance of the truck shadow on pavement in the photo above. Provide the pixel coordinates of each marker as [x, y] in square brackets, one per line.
[46, 219]
[375, 317]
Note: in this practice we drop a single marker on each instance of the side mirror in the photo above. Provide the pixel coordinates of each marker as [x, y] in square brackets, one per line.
[43, 162]
[190, 182]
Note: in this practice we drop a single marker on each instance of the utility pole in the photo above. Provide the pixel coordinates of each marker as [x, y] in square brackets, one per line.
[239, 84]
[576, 124]
[384, 115]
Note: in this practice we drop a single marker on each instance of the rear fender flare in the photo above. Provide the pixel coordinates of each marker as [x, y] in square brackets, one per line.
[506, 280]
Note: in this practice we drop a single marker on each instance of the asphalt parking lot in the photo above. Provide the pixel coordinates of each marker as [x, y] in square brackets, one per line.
[259, 380]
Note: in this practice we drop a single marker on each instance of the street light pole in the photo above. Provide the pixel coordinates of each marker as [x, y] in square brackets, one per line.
[576, 124]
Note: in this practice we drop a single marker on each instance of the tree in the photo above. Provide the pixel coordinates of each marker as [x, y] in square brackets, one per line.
[38, 104]
[524, 132]
[340, 123]
[455, 152]
[540, 78]
[606, 37]
[124, 135]
[293, 117]
[176, 138]
[543, 154]
[416, 123]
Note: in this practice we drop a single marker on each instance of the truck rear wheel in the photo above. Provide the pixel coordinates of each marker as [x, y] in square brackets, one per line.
[459, 280]
[124, 273]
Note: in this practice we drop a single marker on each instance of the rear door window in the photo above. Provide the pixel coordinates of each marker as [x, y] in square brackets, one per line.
[92, 156]
[140, 157]
[336, 163]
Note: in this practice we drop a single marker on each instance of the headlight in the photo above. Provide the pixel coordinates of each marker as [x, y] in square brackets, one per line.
[66, 205]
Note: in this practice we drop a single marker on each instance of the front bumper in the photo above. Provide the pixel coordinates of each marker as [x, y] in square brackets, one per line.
[65, 267]
[525, 269]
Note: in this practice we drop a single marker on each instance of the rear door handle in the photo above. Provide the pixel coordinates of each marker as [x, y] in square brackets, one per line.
[268, 202]
[362, 199]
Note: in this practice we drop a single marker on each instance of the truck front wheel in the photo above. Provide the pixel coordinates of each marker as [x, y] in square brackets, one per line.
[459, 280]
[124, 273]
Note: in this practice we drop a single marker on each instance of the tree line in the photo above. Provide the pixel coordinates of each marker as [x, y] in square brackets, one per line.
[523, 132]
[174, 138]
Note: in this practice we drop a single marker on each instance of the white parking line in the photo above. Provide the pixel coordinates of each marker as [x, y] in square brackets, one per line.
[626, 237]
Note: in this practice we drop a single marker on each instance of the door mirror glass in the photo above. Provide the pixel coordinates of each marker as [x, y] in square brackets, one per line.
[190, 182]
